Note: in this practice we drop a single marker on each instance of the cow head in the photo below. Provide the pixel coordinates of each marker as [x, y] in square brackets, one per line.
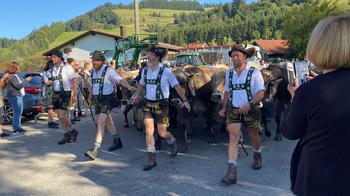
[271, 83]
[218, 85]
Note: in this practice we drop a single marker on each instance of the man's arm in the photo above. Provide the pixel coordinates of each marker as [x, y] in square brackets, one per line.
[226, 99]
[126, 84]
[181, 92]
[258, 97]
[74, 90]
[138, 91]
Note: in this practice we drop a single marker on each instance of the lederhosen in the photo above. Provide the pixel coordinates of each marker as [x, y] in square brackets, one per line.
[102, 103]
[159, 108]
[47, 93]
[60, 99]
[252, 119]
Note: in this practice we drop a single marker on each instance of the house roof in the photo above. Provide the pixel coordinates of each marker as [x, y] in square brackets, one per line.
[169, 46]
[92, 32]
[273, 46]
[205, 46]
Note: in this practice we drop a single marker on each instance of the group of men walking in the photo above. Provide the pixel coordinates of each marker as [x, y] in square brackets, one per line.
[244, 89]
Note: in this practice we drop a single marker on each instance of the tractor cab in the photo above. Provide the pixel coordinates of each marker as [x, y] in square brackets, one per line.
[189, 59]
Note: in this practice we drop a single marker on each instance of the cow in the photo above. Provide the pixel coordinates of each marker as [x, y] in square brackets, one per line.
[218, 86]
[197, 81]
[276, 83]
[126, 95]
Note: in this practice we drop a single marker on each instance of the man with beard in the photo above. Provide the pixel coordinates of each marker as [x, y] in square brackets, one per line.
[65, 91]
[244, 89]
[156, 80]
[102, 96]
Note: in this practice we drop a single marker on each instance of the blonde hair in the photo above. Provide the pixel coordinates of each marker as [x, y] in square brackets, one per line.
[329, 44]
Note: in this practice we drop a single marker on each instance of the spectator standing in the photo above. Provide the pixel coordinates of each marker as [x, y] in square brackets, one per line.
[318, 115]
[15, 93]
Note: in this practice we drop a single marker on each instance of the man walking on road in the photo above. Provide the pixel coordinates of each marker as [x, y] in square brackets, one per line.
[156, 79]
[65, 91]
[244, 89]
[102, 96]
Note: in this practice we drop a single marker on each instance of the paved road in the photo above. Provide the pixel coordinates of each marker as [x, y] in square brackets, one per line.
[34, 164]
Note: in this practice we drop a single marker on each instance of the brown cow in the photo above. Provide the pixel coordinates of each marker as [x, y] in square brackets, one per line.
[198, 83]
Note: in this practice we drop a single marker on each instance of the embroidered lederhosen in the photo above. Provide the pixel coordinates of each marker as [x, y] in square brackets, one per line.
[252, 119]
[158, 108]
[103, 103]
[60, 99]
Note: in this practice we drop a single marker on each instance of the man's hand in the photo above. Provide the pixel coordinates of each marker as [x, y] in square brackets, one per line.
[186, 105]
[29, 78]
[245, 108]
[311, 75]
[74, 99]
[48, 82]
[222, 112]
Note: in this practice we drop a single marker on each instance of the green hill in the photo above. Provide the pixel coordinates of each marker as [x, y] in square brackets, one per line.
[127, 18]
[146, 16]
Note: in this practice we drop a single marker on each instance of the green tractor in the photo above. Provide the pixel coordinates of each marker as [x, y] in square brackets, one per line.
[189, 59]
[129, 49]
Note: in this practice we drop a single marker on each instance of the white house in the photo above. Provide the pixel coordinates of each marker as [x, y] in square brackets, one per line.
[83, 45]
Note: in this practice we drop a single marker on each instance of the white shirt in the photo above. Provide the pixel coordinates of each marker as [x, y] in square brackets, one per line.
[68, 74]
[168, 79]
[239, 97]
[111, 78]
[65, 57]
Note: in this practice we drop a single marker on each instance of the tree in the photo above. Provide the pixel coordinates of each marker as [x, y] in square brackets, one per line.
[301, 19]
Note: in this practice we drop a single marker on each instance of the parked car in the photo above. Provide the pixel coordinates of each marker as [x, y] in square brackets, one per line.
[32, 102]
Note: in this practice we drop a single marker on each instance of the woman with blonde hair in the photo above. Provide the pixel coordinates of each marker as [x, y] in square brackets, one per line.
[319, 115]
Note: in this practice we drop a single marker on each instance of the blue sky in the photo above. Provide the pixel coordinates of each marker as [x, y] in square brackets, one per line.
[19, 18]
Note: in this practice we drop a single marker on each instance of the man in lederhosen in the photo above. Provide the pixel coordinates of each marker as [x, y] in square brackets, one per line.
[104, 79]
[65, 92]
[244, 89]
[156, 80]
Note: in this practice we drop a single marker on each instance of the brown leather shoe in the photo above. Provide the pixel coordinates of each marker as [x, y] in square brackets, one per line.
[73, 136]
[151, 161]
[257, 164]
[65, 139]
[92, 153]
[231, 175]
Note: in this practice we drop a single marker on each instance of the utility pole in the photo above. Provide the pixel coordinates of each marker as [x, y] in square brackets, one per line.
[136, 14]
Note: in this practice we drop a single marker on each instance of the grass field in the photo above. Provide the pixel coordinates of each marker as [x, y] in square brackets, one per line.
[166, 18]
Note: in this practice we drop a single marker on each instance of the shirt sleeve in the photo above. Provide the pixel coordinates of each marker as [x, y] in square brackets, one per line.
[142, 80]
[46, 76]
[227, 88]
[258, 82]
[70, 72]
[114, 76]
[171, 78]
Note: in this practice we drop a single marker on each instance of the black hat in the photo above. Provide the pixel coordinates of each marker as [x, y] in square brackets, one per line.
[239, 47]
[98, 56]
[58, 54]
[155, 50]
